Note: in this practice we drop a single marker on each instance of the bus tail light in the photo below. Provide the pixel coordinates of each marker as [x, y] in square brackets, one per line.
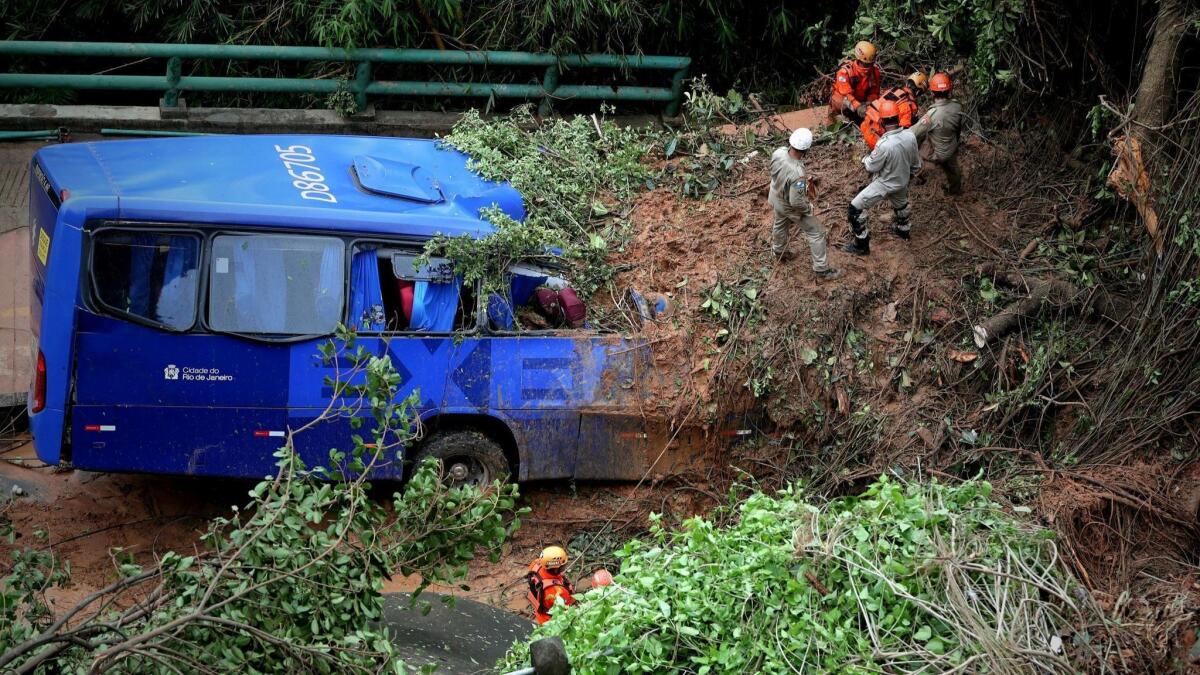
[39, 385]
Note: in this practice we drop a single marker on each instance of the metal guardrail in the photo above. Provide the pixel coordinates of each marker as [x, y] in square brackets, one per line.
[174, 82]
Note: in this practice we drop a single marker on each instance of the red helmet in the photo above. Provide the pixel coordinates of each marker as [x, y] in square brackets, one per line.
[601, 577]
[940, 82]
[887, 108]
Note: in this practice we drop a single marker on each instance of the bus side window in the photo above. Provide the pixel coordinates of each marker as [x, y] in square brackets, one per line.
[387, 293]
[148, 276]
[276, 284]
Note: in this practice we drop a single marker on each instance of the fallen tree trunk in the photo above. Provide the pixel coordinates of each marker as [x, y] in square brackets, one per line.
[1040, 295]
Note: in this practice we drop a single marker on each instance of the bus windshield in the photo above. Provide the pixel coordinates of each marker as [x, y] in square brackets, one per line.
[276, 284]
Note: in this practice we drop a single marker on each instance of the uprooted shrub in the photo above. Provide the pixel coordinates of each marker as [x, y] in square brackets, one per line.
[902, 578]
[566, 171]
[290, 583]
[577, 177]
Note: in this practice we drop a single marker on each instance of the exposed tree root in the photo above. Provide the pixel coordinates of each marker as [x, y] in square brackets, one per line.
[1041, 295]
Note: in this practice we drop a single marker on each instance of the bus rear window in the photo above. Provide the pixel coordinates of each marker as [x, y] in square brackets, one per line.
[148, 276]
[276, 284]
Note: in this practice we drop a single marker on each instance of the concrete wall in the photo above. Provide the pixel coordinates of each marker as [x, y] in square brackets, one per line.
[91, 119]
[16, 340]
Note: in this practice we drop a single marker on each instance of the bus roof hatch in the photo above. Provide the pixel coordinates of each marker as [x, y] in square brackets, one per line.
[397, 179]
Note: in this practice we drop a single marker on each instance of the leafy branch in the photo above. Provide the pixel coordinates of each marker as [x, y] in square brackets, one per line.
[292, 580]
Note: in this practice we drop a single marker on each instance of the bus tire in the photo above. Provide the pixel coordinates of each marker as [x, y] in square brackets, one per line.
[467, 457]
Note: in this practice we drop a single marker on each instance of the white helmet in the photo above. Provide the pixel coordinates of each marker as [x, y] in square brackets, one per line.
[801, 139]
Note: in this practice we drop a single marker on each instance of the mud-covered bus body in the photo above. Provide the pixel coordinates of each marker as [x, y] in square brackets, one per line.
[183, 287]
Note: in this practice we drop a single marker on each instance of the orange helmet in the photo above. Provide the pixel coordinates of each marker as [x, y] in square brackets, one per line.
[554, 556]
[888, 108]
[940, 82]
[919, 80]
[864, 51]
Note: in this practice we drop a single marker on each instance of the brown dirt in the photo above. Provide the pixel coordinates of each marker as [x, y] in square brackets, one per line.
[89, 518]
[682, 247]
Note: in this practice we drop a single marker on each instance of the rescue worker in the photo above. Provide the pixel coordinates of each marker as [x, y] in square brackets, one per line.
[856, 84]
[905, 97]
[942, 124]
[547, 583]
[892, 165]
[789, 197]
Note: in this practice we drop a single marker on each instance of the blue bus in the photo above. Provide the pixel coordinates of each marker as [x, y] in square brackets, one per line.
[182, 287]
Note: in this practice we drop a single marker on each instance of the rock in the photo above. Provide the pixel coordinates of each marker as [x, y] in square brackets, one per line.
[548, 656]
[889, 312]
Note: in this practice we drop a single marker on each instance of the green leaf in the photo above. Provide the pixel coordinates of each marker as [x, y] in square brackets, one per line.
[670, 147]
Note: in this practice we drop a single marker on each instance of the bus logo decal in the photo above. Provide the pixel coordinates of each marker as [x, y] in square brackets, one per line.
[171, 372]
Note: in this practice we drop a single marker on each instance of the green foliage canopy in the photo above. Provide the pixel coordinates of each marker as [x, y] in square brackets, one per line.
[902, 578]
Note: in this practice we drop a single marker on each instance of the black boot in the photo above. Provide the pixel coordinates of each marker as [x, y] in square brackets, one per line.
[858, 246]
[900, 225]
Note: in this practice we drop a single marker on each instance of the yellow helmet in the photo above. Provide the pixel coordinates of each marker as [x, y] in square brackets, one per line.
[919, 80]
[864, 51]
[554, 556]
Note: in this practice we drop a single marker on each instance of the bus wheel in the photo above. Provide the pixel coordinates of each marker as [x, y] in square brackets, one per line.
[468, 458]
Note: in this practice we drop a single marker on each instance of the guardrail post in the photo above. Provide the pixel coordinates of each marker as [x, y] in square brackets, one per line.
[677, 92]
[174, 71]
[362, 80]
[549, 84]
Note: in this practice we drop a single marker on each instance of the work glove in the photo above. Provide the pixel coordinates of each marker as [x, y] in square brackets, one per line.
[861, 110]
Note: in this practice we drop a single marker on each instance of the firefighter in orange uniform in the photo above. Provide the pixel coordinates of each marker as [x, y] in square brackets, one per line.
[856, 84]
[905, 97]
[547, 583]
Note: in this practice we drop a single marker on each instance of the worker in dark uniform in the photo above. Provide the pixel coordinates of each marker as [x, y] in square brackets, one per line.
[943, 126]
